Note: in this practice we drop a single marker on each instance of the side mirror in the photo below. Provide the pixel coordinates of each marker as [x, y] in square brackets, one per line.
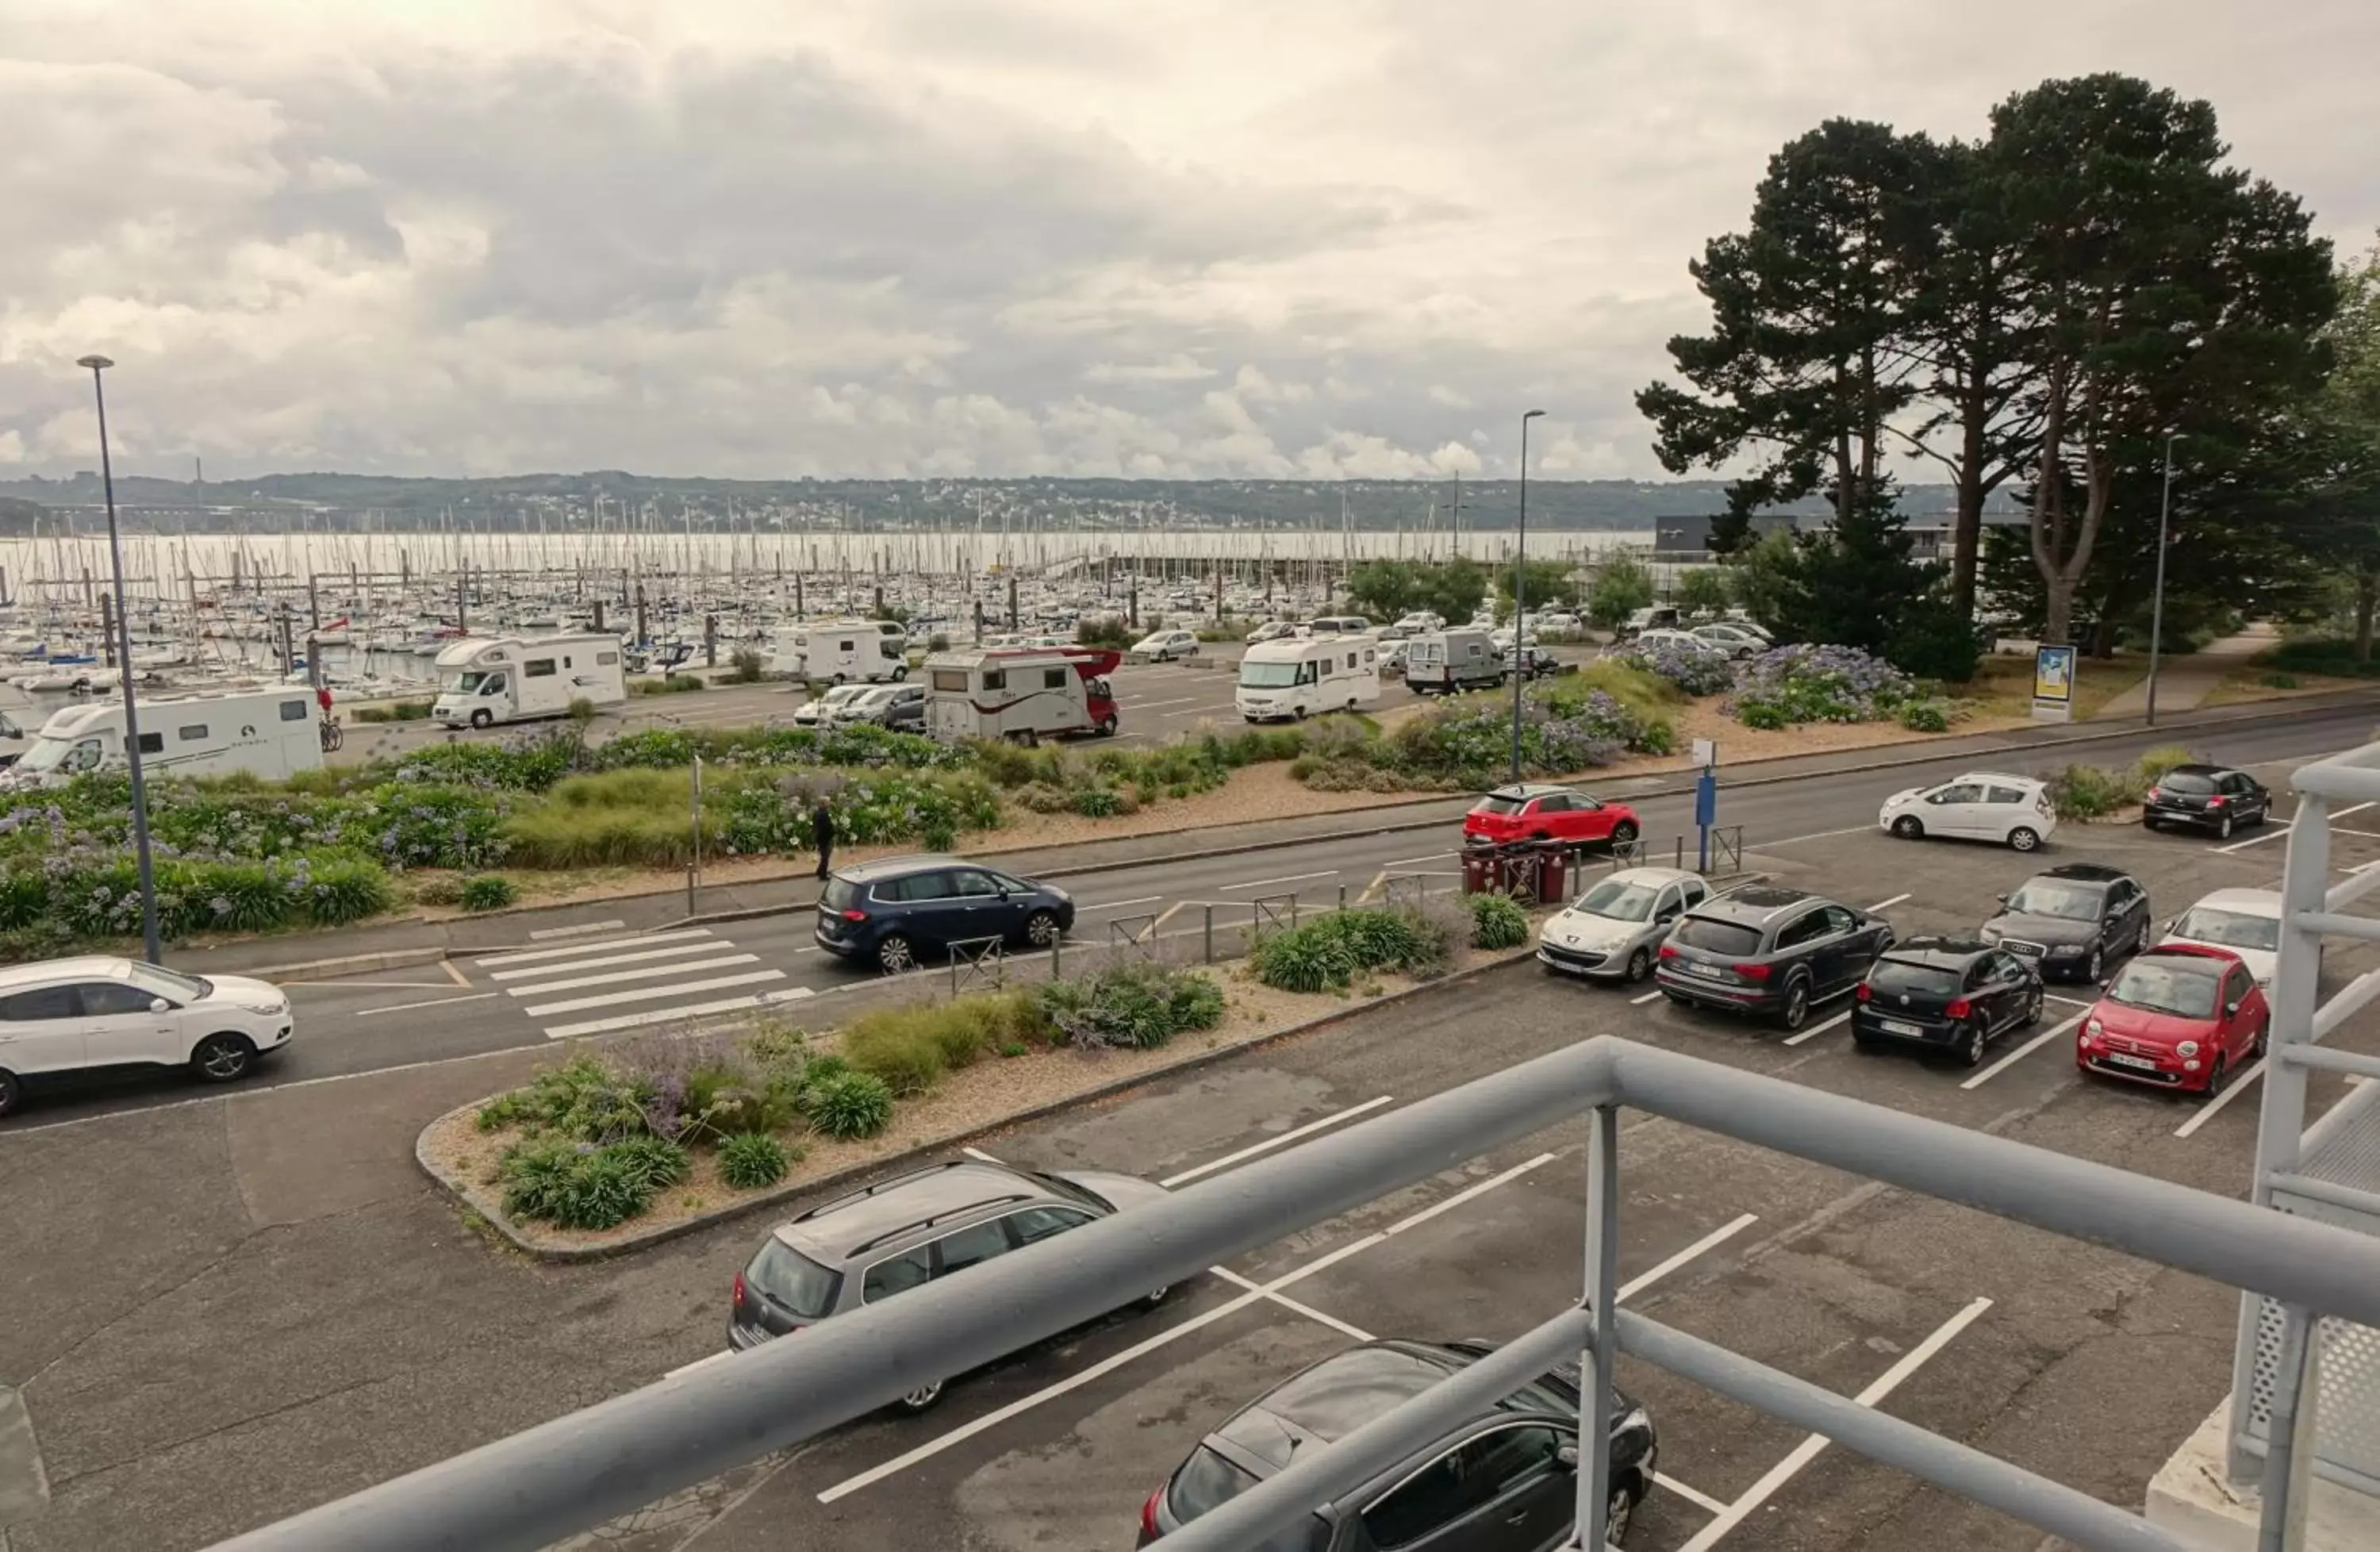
[159, 1005]
[1567, 1457]
[2001, 898]
[2231, 1009]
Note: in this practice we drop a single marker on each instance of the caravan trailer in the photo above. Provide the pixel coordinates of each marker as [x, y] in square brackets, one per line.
[486, 680]
[1300, 676]
[270, 733]
[1023, 694]
[843, 651]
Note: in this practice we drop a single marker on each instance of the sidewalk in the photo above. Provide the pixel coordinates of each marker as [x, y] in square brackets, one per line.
[2184, 683]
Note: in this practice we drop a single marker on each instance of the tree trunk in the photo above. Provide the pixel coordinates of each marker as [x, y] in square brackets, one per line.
[1967, 526]
[2367, 596]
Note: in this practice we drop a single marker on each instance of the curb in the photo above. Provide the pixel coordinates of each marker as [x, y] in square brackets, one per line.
[579, 1255]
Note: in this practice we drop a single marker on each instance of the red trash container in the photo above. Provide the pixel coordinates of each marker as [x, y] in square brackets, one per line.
[1553, 872]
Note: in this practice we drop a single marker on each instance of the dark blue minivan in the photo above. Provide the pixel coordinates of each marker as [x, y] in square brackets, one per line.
[891, 911]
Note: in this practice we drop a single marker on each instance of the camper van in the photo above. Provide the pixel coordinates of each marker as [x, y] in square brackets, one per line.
[843, 651]
[270, 733]
[486, 680]
[1298, 677]
[1444, 662]
[1024, 693]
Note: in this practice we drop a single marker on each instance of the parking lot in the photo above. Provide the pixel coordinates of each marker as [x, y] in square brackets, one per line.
[293, 1314]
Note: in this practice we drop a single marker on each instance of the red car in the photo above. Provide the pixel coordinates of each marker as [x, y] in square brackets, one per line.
[2179, 1016]
[1534, 811]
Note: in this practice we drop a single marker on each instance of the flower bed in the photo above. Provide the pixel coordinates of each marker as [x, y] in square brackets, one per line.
[1791, 686]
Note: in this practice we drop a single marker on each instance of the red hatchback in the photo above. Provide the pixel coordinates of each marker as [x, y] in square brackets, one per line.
[1534, 811]
[2181, 1017]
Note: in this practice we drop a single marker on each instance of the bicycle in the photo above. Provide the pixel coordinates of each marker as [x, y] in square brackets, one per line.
[332, 735]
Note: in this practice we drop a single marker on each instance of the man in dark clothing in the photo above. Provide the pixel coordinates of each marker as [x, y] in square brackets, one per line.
[822, 837]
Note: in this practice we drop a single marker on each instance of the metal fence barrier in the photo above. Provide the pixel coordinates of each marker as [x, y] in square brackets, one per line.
[1132, 937]
[1272, 913]
[978, 963]
[577, 1471]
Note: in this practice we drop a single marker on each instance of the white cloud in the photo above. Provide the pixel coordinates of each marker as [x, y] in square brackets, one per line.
[1173, 369]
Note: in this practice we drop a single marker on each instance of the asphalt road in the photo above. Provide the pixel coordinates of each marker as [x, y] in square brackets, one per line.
[289, 1312]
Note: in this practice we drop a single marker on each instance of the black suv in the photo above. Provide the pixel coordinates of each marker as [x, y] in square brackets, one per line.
[1764, 949]
[869, 1245]
[1503, 1481]
[889, 911]
[2213, 797]
[2074, 921]
[1951, 993]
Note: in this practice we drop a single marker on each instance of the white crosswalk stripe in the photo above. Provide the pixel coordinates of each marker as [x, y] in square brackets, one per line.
[654, 977]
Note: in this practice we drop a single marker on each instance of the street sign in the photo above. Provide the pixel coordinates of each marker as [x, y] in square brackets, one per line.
[2053, 684]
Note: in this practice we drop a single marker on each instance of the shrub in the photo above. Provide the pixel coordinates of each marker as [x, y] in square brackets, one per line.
[1098, 803]
[750, 668]
[1791, 686]
[847, 1105]
[654, 1161]
[344, 890]
[438, 889]
[581, 1100]
[1695, 673]
[2154, 764]
[1132, 1006]
[488, 892]
[751, 1159]
[2090, 791]
[580, 1186]
[1303, 960]
[1925, 716]
[582, 710]
[1498, 922]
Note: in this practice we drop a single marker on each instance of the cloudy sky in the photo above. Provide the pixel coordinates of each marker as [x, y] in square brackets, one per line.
[1178, 237]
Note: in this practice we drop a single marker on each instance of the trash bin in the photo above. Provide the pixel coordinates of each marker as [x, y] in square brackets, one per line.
[1553, 871]
[1483, 871]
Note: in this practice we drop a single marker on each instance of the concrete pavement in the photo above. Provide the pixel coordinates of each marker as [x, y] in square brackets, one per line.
[2184, 682]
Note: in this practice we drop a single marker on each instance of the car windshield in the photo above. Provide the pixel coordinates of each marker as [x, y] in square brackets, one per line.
[46, 754]
[1905, 977]
[1082, 1193]
[2183, 990]
[2229, 929]
[1620, 899]
[2185, 782]
[1496, 803]
[1267, 675]
[1718, 937]
[791, 1280]
[2066, 901]
[170, 983]
[471, 680]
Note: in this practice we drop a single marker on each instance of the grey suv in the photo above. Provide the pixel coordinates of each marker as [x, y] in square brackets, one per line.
[887, 1238]
[1760, 949]
[891, 910]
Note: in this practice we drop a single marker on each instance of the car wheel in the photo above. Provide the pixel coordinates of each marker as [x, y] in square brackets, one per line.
[1623, 833]
[1107, 726]
[1621, 1513]
[222, 1058]
[2032, 1009]
[1863, 1040]
[900, 673]
[1041, 929]
[1640, 965]
[1155, 1296]
[2096, 968]
[2023, 838]
[1909, 828]
[2255, 1053]
[2149, 821]
[921, 1399]
[12, 1093]
[2223, 828]
[1971, 1045]
[2215, 1075]
[1796, 1011]
[895, 954]
[481, 719]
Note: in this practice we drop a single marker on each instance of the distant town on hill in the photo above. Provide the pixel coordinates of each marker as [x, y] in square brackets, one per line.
[614, 500]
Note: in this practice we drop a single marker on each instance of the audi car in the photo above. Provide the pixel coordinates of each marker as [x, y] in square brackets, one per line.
[2072, 922]
[1770, 951]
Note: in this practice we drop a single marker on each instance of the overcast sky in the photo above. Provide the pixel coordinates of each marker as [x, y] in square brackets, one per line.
[912, 237]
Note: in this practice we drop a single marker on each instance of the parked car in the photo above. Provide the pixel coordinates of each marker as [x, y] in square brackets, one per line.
[2072, 921]
[1616, 927]
[891, 910]
[889, 706]
[1953, 994]
[1419, 622]
[1981, 806]
[1165, 646]
[1561, 619]
[1502, 1480]
[1538, 811]
[869, 1245]
[2180, 1016]
[2211, 798]
[66, 1015]
[1736, 641]
[1533, 661]
[2246, 921]
[1768, 951]
[1683, 641]
[819, 712]
[1655, 617]
[1271, 630]
[1393, 660]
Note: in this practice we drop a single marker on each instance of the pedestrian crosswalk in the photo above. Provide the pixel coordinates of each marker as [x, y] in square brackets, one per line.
[654, 977]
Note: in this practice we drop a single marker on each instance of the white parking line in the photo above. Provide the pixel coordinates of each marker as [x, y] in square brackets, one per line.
[2070, 1002]
[2012, 1057]
[1120, 904]
[1186, 1176]
[1291, 878]
[1882, 903]
[1716, 1237]
[2274, 832]
[1818, 1029]
[1808, 1449]
[569, 949]
[1153, 705]
[433, 1002]
[1409, 862]
[978, 1155]
[2206, 1112]
[1293, 1305]
[1701, 1500]
[1822, 835]
[581, 931]
[1640, 1001]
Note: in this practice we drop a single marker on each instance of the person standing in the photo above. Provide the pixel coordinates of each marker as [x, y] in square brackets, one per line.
[822, 837]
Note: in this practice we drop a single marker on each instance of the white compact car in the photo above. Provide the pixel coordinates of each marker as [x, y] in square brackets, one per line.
[2245, 921]
[1980, 806]
[64, 1015]
[1616, 927]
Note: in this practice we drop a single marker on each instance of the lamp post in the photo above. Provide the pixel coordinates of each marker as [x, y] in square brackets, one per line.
[1519, 563]
[96, 365]
[2156, 606]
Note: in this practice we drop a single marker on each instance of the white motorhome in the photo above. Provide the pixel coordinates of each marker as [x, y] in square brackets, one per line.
[486, 680]
[1298, 677]
[270, 733]
[1023, 694]
[843, 651]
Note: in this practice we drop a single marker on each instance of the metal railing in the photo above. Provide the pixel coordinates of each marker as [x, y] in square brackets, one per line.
[576, 1472]
[978, 963]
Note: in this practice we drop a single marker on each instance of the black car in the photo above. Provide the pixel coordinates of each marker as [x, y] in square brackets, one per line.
[1764, 949]
[1954, 994]
[2072, 922]
[891, 910]
[2212, 797]
[1503, 1481]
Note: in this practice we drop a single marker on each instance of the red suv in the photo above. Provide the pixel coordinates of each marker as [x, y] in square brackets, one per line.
[2178, 1016]
[1534, 811]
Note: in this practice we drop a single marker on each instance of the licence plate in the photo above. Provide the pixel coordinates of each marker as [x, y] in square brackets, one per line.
[1894, 1026]
[1710, 970]
[2145, 1063]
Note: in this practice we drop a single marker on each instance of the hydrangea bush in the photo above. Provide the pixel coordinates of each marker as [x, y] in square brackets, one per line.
[1697, 674]
[1791, 686]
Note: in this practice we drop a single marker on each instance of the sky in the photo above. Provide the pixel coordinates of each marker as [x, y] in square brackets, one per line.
[1176, 238]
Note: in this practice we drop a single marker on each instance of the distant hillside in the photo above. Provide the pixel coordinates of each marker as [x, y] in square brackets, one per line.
[17, 515]
[555, 501]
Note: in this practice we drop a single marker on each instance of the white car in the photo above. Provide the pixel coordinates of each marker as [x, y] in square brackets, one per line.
[1420, 621]
[1980, 806]
[1615, 928]
[1736, 641]
[1271, 630]
[2246, 921]
[1684, 641]
[820, 712]
[64, 1015]
[1166, 646]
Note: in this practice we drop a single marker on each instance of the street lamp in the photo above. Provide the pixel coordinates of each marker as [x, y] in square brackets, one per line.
[1520, 560]
[2157, 607]
[97, 364]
